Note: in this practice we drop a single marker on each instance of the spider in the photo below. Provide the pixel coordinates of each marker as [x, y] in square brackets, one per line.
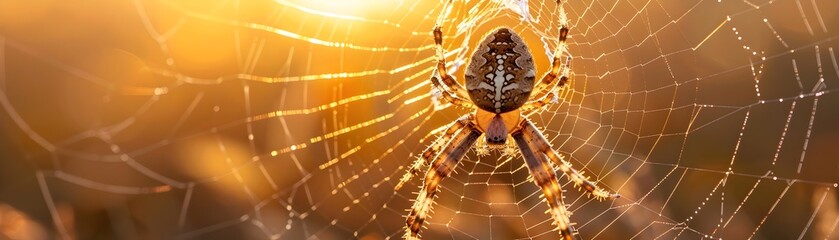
[500, 77]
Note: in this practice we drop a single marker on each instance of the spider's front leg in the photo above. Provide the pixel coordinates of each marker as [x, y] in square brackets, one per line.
[443, 165]
[432, 151]
[544, 176]
[538, 143]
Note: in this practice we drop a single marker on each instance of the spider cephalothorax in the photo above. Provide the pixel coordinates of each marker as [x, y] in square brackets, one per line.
[500, 78]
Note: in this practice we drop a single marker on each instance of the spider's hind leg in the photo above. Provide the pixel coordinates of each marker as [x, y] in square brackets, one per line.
[450, 94]
[558, 71]
[450, 88]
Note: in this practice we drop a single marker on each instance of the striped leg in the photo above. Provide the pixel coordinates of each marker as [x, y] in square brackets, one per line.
[421, 162]
[447, 93]
[544, 176]
[452, 90]
[558, 70]
[539, 144]
[541, 102]
[443, 165]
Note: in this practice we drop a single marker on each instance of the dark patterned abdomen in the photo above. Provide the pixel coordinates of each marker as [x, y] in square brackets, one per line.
[501, 72]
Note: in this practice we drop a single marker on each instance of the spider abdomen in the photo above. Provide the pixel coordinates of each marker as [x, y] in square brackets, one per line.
[500, 74]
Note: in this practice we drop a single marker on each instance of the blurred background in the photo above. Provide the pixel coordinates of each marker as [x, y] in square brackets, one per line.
[285, 119]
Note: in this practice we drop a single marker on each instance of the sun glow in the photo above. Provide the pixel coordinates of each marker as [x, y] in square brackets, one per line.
[353, 9]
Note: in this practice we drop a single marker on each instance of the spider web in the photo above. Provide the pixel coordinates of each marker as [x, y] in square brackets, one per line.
[295, 119]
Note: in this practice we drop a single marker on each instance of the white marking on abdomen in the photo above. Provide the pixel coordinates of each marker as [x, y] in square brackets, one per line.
[511, 86]
[498, 78]
[499, 83]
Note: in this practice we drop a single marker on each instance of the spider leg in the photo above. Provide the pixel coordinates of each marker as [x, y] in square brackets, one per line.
[421, 163]
[550, 97]
[447, 94]
[453, 91]
[443, 165]
[540, 144]
[544, 88]
[544, 176]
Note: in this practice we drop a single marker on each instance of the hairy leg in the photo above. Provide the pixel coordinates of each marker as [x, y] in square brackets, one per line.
[544, 176]
[443, 165]
[455, 88]
[540, 144]
[558, 70]
[450, 88]
[539, 103]
[427, 156]
[448, 94]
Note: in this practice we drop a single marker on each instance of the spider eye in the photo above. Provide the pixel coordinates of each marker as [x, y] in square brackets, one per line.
[496, 140]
